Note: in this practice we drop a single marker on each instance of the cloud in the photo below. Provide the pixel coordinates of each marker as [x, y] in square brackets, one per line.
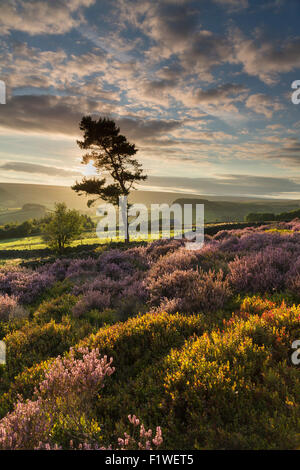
[42, 17]
[175, 28]
[275, 127]
[203, 51]
[218, 101]
[263, 104]
[289, 151]
[171, 24]
[47, 114]
[146, 129]
[33, 168]
[266, 59]
[221, 94]
[31, 67]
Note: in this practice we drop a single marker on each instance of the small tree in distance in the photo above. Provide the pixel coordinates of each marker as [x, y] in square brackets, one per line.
[112, 156]
[64, 226]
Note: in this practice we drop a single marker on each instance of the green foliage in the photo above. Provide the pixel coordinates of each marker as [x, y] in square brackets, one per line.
[260, 217]
[214, 381]
[34, 343]
[63, 227]
[138, 341]
[265, 217]
[236, 389]
[23, 385]
[231, 389]
[106, 317]
[55, 309]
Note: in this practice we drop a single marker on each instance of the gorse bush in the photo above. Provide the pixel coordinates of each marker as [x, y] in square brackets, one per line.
[236, 389]
[134, 342]
[256, 305]
[227, 389]
[55, 309]
[33, 343]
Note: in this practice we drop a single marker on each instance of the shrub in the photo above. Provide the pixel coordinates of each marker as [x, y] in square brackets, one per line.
[194, 291]
[35, 343]
[90, 301]
[60, 415]
[260, 272]
[256, 305]
[55, 309]
[127, 295]
[10, 309]
[141, 340]
[106, 317]
[181, 260]
[23, 283]
[235, 390]
[59, 410]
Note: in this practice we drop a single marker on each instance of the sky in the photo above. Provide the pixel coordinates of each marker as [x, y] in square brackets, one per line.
[203, 88]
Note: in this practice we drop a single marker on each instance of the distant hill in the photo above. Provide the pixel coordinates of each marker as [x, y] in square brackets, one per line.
[28, 211]
[14, 196]
[229, 211]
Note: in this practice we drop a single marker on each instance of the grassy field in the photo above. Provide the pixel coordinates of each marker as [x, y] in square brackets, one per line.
[37, 243]
[33, 243]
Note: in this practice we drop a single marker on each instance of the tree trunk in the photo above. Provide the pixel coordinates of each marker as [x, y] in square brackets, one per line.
[124, 214]
[126, 225]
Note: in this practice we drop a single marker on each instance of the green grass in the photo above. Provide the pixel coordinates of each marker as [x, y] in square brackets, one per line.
[88, 238]
[37, 243]
[278, 230]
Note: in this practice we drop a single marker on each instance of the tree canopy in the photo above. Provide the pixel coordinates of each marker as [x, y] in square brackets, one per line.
[113, 159]
[64, 226]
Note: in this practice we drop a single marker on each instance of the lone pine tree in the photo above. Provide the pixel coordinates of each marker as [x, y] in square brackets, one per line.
[113, 159]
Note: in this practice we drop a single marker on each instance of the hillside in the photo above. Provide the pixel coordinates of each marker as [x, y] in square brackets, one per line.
[229, 211]
[28, 211]
[14, 196]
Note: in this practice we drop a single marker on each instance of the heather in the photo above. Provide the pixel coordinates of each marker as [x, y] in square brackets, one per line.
[200, 343]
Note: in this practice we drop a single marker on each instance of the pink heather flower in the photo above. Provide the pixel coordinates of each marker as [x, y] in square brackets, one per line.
[133, 420]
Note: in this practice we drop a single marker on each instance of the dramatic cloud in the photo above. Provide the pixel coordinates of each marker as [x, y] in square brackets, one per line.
[198, 86]
[61, 115]
[175, 29]
[41, 16]
[266, 59]
[218, 101]
[218, 94]
[45, 114]
[146, 129]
